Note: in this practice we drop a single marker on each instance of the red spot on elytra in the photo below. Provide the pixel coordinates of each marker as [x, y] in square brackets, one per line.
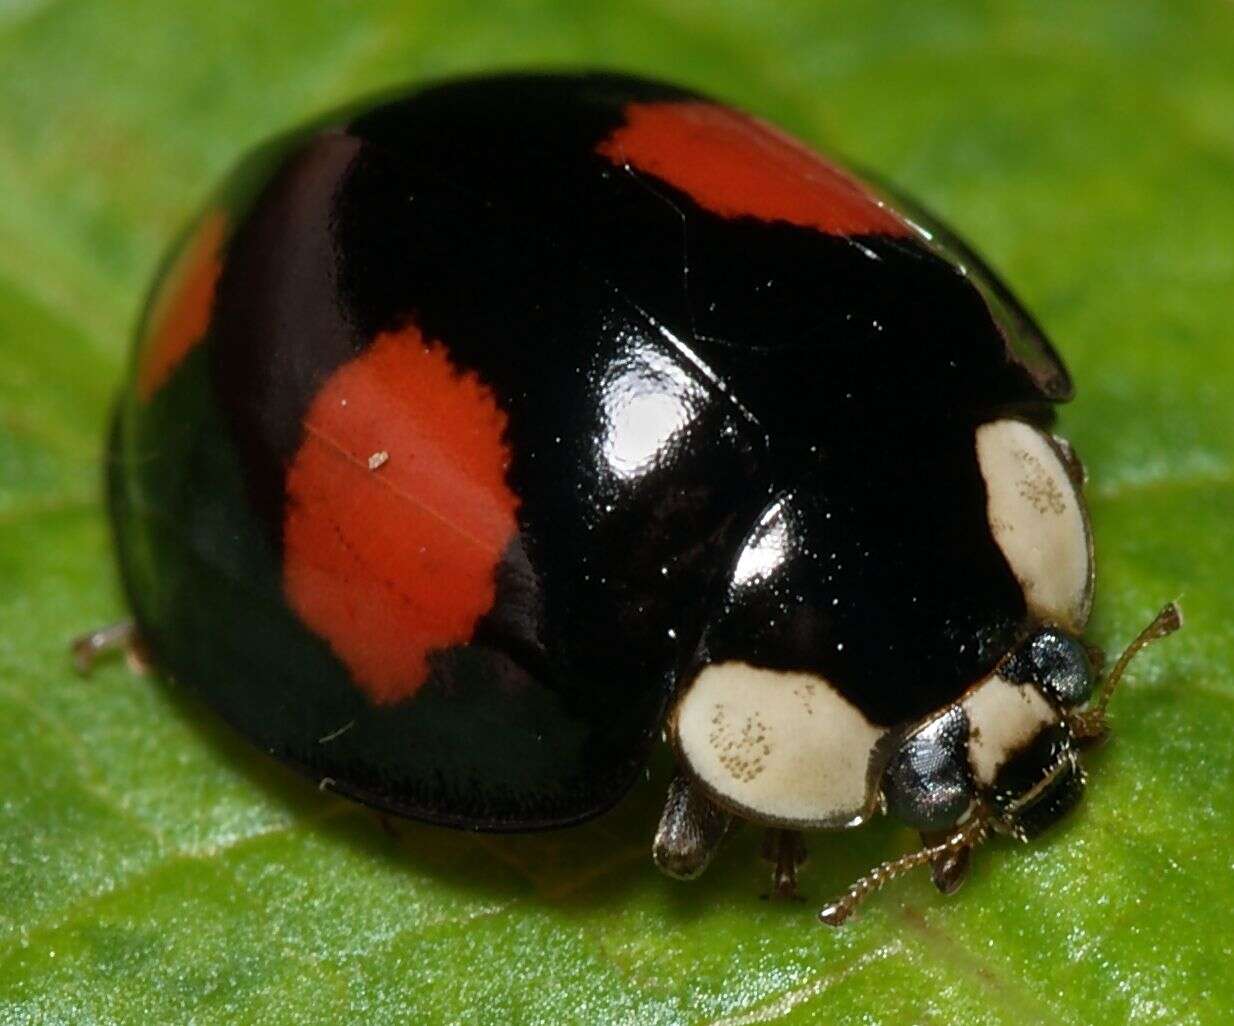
[737, 166]
[180, 312]
[389, 559]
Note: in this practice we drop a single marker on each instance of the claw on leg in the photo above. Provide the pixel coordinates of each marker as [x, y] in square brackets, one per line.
[88, 649]
[786, 850]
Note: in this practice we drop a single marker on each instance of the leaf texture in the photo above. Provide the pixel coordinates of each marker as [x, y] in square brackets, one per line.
[154, 869]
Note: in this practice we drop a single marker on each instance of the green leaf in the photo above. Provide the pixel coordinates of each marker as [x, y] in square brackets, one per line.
[153, 869]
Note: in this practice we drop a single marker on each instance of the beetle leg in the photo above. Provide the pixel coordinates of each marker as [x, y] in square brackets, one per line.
[786, 850]
[88, 649]
[690, 831]
[948, 870]
[387, 826]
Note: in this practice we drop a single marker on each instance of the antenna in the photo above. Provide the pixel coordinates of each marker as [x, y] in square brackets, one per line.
[969, 835]
[1091, 723]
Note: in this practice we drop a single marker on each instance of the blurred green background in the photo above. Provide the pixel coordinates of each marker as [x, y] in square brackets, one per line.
[153, 870]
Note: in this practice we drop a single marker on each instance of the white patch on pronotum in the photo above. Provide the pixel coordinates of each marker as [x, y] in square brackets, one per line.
[1002, 719]
[1037, 520]
[782, 745]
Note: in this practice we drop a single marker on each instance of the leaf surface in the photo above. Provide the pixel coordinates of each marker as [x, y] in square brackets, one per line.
[153, 869]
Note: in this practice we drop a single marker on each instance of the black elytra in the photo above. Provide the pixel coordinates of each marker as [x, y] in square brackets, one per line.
[607, 381]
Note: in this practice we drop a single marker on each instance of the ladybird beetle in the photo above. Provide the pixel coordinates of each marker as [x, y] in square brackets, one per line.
[477, 439]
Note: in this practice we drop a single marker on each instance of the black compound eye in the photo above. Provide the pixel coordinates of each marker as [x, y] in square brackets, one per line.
[1057, 663]
[927, 784]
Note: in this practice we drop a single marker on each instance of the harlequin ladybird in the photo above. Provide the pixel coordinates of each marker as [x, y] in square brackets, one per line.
[478, 439]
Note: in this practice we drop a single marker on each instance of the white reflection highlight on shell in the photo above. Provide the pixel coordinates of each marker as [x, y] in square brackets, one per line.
[766, 550]
[647, 401]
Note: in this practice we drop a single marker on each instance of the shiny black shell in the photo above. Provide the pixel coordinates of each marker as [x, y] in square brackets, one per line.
[643, 353]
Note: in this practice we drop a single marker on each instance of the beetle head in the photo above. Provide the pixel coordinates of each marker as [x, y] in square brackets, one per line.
[958, 777]
[1007, 746]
